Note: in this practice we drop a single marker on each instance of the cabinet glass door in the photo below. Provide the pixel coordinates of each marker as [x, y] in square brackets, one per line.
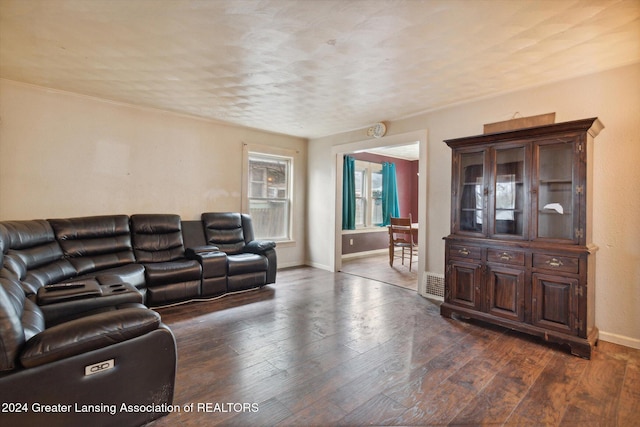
[471, 202]
[509, 192]
[555, 191]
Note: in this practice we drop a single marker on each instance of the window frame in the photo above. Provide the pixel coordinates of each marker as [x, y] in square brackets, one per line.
[369, 169]
[269, 153]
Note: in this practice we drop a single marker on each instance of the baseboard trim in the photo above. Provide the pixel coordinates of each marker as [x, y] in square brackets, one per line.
[620, 339]
[290, 265]
[365, 254]
[318, 265]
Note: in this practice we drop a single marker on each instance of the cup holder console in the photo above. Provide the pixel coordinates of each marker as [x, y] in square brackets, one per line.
[117, 288]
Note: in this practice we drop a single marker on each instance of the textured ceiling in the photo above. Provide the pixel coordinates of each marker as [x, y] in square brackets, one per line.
[310, 68]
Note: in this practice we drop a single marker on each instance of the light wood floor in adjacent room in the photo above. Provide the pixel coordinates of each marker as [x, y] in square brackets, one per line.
[324, 349]
[377, 267]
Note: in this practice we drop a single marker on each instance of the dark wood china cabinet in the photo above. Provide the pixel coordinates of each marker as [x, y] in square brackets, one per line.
[520, 253]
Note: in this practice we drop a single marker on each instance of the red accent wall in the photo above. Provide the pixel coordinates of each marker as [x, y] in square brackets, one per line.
[407, 177]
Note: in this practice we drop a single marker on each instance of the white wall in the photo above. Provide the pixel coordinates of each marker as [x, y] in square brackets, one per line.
[67, 155]
[613, 96]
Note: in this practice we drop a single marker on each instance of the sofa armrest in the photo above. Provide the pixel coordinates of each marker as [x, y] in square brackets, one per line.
[87, 334]
[259, 246]
[213, 262]
[143, 373]
[192, 253]
[68, 291]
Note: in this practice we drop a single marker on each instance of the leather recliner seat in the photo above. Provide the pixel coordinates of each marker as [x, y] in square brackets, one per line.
[250, 262]
[158, 246]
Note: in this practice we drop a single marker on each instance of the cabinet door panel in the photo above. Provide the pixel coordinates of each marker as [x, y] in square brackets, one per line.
[470, 208]
[464, 284]
[554, 302]
[556, 204]
[505, 293]
[510, 192]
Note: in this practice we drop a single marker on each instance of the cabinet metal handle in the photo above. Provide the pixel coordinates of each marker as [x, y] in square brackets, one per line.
[554, 262]
[504, 256]
[464, 251]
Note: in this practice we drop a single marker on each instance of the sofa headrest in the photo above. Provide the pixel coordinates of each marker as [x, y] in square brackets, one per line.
[89, 228]
[224, 230]
[32, 254]
[157, 237]
[38, 266]
[95, 242]
[155, 223]
[27, 234]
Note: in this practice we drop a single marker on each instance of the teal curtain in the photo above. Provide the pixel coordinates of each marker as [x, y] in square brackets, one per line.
[390, 203]
[349, 194]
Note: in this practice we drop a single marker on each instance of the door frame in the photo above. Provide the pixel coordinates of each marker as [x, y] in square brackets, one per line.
[338, 152]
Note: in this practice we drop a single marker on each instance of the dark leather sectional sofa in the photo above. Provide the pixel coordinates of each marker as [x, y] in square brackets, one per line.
[75, 327]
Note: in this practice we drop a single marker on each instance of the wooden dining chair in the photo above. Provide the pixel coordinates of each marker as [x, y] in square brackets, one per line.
[401, 238]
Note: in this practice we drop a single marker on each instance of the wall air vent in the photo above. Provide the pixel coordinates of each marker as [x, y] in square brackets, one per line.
[434, 285]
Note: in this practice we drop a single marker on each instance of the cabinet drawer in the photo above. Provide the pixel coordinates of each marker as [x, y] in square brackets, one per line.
[465, 252]
[505, 257]
[565, 264]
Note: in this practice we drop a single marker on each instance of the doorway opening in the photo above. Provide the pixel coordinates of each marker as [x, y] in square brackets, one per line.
[364, 251]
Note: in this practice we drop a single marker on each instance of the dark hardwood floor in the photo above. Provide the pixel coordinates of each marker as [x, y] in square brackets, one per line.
[322, 349]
